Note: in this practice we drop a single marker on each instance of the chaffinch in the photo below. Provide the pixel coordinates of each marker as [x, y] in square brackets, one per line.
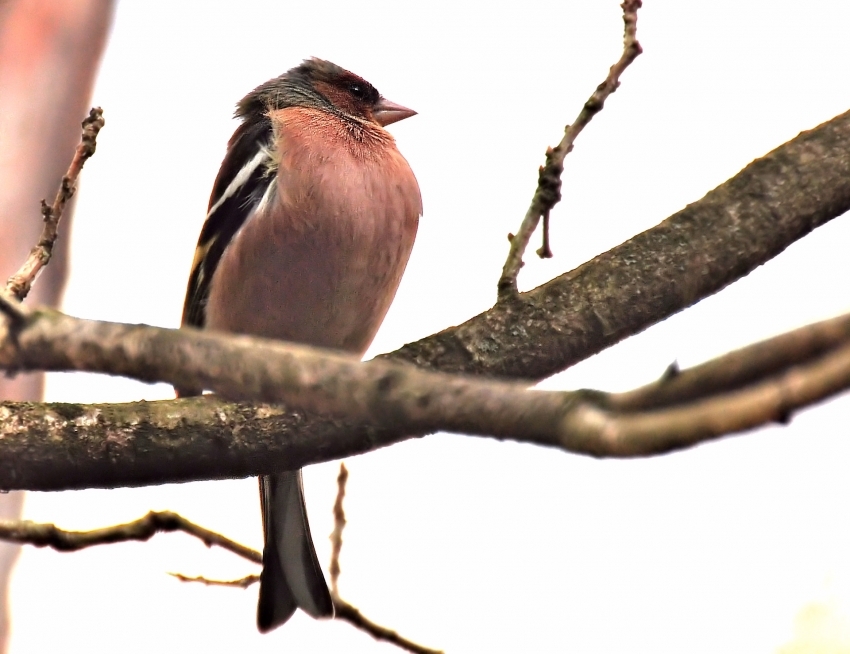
[310, 225]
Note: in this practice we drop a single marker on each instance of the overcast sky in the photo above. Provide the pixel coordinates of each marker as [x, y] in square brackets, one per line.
[468, 544]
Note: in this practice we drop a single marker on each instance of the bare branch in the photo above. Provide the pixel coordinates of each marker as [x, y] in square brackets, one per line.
[738, 368]
[347, 612]
[21, 282]
[775, 399]
[342, 611]
[709, 244]
[48, 535]
[208, 438]
[244, 582]
[339, 525]
[774, 201]
[548, 192]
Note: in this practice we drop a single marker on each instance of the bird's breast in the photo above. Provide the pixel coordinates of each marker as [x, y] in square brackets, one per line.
[321, 260]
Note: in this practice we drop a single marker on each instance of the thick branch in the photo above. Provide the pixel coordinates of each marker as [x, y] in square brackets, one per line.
[207, 438]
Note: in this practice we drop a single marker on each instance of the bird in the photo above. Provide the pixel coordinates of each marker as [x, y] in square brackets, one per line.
[309, 228]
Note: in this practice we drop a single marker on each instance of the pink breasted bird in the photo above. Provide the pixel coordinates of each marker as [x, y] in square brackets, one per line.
[310, 225]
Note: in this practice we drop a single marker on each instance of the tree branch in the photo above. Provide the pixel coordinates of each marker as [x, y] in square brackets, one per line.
[738, 368]
[243, 582]
[696, 252]
[347, 612]
[742, 223]
[203, 438]
[548, 192]
[49, 535]
[21, 282]
[339, 526]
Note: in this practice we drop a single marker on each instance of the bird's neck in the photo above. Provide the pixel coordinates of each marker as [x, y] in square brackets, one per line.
[363, 139]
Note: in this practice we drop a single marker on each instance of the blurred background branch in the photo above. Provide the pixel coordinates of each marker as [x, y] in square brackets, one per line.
[49, 56]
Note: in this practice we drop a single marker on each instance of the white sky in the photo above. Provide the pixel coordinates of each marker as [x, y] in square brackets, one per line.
[466, 544]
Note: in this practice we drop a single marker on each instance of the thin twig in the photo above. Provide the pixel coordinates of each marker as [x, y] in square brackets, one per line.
[49, 535]
[775, 399]
[548, 192]
[243, 582]
[339, 525]
[737, 369]
[347, 612]
[342, 611]
[545, 251]
[21, 282]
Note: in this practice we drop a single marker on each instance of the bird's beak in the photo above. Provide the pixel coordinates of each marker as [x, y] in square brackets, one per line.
[387, 113]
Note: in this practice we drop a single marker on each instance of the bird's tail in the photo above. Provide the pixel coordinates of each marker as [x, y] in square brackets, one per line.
[291, 576]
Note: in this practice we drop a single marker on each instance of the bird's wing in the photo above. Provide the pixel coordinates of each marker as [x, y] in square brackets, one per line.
[245, 177]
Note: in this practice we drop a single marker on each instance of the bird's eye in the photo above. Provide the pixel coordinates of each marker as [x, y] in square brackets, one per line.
[358, 91]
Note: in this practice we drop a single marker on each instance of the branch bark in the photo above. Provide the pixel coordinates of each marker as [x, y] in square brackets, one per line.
[209, 438]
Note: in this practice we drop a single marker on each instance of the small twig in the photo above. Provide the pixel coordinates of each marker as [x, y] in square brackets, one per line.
[48, 535]
[544, 251]
[244, 582]
[342, 611]
[339, 525]
[347, 612]
[737, 369]
[548, 192]
[21, 282]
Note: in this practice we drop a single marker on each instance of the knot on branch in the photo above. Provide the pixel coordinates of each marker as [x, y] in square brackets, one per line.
[630, 8]
[47, 210]
[549, 180]
[91, 125]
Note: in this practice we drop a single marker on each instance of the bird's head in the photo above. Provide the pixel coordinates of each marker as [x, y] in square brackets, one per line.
[323, 85]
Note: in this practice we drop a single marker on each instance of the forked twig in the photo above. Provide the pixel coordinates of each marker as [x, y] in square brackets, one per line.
[548, 192]
[49, 535]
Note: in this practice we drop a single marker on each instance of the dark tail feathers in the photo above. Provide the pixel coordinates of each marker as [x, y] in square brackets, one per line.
[291, 576]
